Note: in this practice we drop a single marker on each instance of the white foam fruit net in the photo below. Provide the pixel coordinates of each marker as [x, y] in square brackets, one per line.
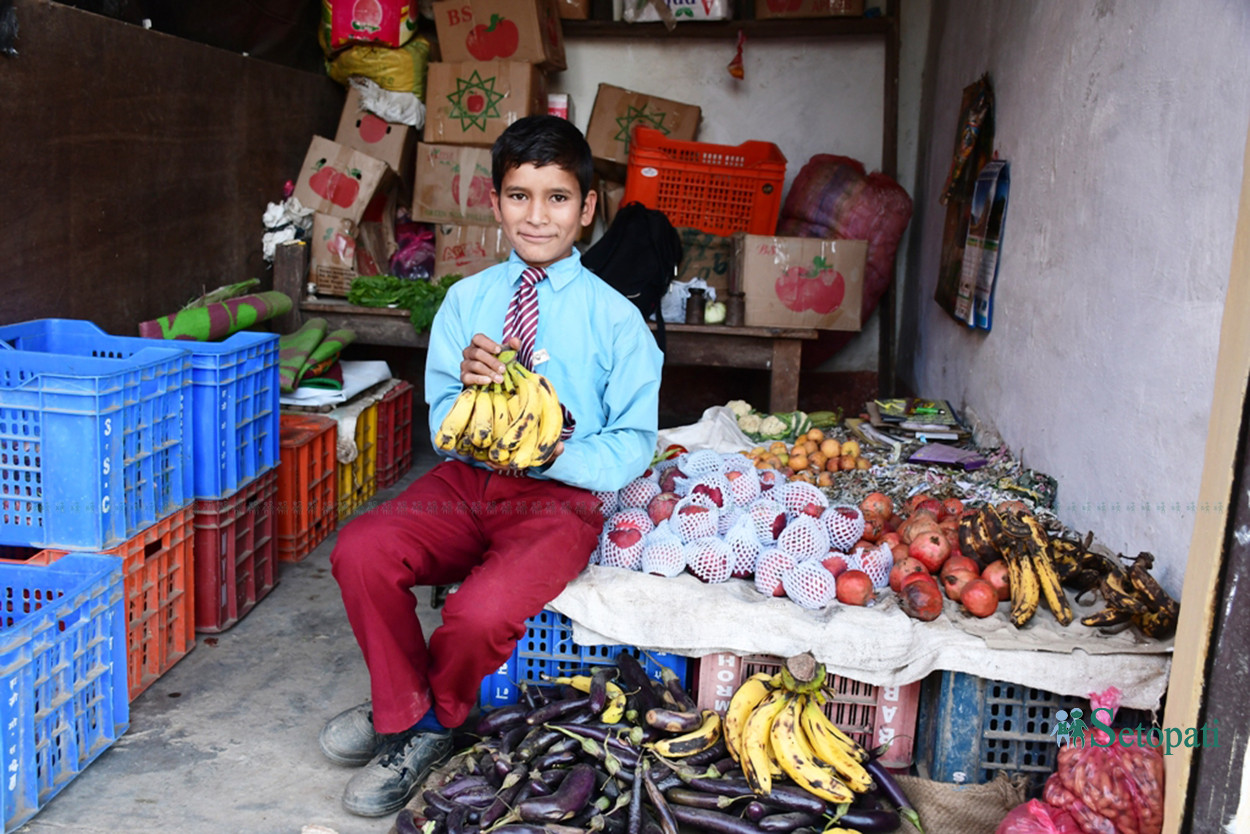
[876, 562]
[770, 479]
[744, 486]
[736, 462]
[769, 519]
[810, 585]
[657, 471]
[630, 517]
[621, 547]
[727, 519]
[701, 462]
[796, 496]
[709, 559]
[663, 553]
[607, 500]
[638, 493]
[804, 538]
[744, 545]
[845, 525]
[769, 566]
[715, 487]
[693, 518]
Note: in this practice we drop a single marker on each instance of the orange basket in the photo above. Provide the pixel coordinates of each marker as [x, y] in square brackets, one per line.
[394, 434]
[235, 562]
[307, 508]
[719, 189]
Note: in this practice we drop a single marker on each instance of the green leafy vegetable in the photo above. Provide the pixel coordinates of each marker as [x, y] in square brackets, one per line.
[420, 298]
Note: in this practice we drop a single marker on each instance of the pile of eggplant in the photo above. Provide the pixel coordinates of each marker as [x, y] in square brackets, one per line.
[619, 752]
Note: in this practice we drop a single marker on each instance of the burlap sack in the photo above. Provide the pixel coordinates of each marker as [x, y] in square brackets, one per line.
[947, 808]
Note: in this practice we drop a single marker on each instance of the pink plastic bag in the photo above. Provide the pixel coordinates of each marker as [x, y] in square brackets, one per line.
[1034, 817]
[1109, 788]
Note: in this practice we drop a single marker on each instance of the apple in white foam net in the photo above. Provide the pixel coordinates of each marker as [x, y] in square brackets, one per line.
[669, 477]
[835, 563]
[661, 506]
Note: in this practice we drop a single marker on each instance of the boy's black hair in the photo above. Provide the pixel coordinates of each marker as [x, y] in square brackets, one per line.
[543, 140]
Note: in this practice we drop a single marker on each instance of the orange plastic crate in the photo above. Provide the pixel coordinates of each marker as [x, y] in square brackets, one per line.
[872, 715]
[719, 189]
[394, 434]
[307, 509]
[235, 558]
[158, 581]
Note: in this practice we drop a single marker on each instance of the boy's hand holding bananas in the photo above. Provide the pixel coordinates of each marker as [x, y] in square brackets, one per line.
[515, 423]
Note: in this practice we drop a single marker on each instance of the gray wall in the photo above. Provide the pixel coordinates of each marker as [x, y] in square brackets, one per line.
[1125, 126]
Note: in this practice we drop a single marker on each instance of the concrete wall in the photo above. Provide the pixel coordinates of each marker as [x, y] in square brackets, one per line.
[1125, 125]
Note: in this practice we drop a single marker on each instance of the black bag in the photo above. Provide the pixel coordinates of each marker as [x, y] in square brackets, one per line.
[638, 255]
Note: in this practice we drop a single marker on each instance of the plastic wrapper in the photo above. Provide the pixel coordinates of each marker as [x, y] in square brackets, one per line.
[1036, 817]
[414, 255]
[400, 70]
[1107, 787]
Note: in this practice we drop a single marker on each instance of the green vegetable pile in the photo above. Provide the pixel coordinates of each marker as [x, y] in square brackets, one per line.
[420, 298]
[761, 426]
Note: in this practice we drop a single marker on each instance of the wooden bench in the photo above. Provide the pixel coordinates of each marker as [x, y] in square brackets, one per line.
[774, 349]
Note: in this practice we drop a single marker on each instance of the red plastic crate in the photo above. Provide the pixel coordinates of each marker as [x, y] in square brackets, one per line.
[872, 715]
[307, 509]
[394, 434]
[719, 189]
[235, 553]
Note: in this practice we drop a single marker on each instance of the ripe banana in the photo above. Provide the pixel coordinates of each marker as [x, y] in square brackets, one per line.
[483, 419]
[753, 746]
[1025, 586]
[799, 761]
[975, 541]
[499, 405]
[695, 741]
[454, 423]
[745, 699]
[551, 421]
[830, 750]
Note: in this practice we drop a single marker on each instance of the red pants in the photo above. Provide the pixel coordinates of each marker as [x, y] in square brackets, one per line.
[512, 543]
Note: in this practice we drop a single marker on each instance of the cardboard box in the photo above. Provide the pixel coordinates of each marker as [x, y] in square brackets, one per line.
[573, 9]
[388, 141]
[376, 243]
[706, 256]
[610, 194]
[383, 22]
[332, 254]
[800, 281]
[472, 102]
[337, 180]
[616, 111]
[453, 185]
[765, 9]
[468, 249]
[501, 30]
[642, 11]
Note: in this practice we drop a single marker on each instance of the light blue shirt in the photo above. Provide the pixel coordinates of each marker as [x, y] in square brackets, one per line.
[602, 361]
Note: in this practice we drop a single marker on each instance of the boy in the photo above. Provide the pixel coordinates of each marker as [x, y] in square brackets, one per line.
[512, 539]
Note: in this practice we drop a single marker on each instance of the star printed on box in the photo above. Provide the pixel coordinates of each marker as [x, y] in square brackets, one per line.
[638, 115]
[474, 101]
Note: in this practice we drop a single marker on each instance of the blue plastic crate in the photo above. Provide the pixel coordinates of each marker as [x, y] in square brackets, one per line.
[235, 406]
[94, 444]
[548, 649]
[971, 729]
[62, 676]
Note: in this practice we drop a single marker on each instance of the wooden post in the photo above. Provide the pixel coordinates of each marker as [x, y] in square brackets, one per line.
[1205, 563]
[290, 271]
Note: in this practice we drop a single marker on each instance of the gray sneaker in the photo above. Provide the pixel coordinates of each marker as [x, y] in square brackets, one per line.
[385, 784]
[348, 739]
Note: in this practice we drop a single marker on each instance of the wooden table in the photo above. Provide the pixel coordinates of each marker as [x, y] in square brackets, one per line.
[774, 349]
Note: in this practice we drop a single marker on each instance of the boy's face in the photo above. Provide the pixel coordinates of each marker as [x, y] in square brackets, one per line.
[542, 212]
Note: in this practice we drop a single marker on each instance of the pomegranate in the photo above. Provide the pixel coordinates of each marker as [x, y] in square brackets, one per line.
[902, 568]
[909, 507]
[955, 581]
[932, 505]
[921, 599]
[980, 598]
[916, 525]
[953, 507]
[996, 573]
[923, 576]
[855, 588]
[900, 552]
[874, 526]
[956, 562]
[878, 504]
[931, 549]
[889, 537]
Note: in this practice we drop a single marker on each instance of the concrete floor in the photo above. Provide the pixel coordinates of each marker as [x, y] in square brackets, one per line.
[226, 740]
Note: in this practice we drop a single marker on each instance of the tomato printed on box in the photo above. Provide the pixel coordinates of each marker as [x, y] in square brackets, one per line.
[800, 282]
[337, 180]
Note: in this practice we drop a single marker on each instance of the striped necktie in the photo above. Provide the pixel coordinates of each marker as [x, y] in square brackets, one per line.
[522, 318]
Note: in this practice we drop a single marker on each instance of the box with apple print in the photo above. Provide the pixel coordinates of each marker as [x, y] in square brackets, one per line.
[337, 180]
[453, 185]
[800, 281]
[364, 131]
[501, 30]
[472, 102]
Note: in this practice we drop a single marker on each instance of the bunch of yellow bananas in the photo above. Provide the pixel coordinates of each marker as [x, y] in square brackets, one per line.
[1002, 533]
[775, 726]
[514, 423]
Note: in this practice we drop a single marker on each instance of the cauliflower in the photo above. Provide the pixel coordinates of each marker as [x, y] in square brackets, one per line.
[740, 408]
[750, 423]
[774, 428]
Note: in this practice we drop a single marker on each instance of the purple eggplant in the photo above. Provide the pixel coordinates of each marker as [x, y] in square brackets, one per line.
[716, 822]
[870, 820]
[554, 710]
[668, 823]
[893, 792]
[572, 795]
[405, 823]
[497, 721]
[787, 822]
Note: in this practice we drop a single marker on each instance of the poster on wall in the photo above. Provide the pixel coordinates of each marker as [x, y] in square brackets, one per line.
[974, 304]
[974, 143]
